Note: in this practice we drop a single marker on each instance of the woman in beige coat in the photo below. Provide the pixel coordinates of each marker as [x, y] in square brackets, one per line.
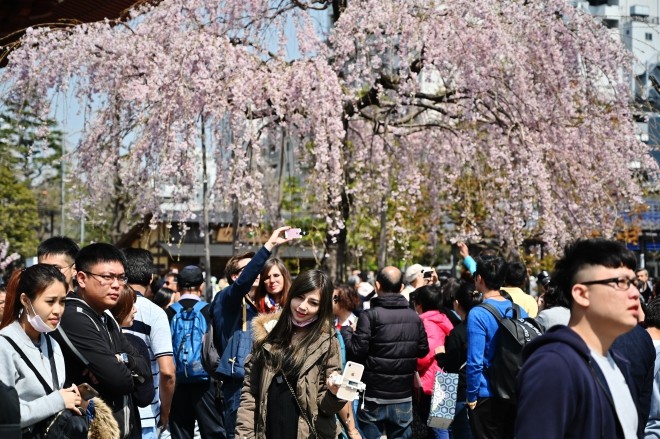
[287, 392]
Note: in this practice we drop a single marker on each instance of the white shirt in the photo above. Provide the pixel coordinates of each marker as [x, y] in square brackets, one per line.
[623, 403]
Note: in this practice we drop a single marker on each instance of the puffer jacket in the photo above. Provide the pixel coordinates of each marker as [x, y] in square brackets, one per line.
[437, 327]
[388, 340]
[319, 405]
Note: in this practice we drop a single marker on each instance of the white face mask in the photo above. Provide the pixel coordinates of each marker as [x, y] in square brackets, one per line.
[305, 323]
[37, 322]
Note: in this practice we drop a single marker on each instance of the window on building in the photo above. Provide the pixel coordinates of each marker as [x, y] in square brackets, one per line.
[648, 36]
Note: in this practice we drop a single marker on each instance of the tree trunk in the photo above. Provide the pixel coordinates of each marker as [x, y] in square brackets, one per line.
[337, 252]
[382, 241]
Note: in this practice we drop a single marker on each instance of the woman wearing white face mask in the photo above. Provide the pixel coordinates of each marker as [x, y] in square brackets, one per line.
[34, 306]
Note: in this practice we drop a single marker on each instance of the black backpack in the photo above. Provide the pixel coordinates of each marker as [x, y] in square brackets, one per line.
[513, 334]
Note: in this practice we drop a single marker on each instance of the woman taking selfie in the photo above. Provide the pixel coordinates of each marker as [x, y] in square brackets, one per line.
[34, 306]
[274, 284]
[287, 392]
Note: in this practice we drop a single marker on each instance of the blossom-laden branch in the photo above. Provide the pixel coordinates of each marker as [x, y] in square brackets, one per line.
[399, 100]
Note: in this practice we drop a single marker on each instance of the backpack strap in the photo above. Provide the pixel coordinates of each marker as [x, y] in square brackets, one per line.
[498, 315]
[29, 364]
[177, 307]
[494, 311]
[199, 306]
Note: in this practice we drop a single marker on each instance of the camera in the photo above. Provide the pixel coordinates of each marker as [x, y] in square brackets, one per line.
[427, 272]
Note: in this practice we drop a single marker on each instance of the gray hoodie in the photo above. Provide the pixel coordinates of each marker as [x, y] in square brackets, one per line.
[35, 404]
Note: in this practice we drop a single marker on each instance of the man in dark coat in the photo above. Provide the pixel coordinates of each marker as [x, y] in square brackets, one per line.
[388, 340]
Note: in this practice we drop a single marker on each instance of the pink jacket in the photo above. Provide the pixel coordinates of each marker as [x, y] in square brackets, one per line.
[437, 327]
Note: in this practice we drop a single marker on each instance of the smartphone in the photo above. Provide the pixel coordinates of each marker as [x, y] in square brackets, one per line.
[428, 274]
[294, 233]
[350, 380]
[87, 392]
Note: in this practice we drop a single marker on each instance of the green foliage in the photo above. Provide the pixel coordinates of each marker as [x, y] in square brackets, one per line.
[30, 149]
[18, 214]
[29, 145]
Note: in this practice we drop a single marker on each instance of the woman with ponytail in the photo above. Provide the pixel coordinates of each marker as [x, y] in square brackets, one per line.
[288, 392]
[34, 305]
[453, 356]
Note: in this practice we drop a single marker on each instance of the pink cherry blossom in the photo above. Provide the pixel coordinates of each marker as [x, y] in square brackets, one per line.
[396, 109]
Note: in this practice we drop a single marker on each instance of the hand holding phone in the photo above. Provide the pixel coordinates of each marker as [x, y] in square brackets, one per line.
[350, 381]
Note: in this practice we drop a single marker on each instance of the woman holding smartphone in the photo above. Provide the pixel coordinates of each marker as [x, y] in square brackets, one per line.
[33, 308]
[288, 392]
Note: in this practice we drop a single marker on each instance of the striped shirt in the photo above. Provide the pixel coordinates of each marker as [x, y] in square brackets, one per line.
[152, 326]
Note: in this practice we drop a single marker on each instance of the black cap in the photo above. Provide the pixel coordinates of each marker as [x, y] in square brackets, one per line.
[190, 277]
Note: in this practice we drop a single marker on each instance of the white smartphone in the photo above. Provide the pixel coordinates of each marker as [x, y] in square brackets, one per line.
[350, 381]
[293, 233]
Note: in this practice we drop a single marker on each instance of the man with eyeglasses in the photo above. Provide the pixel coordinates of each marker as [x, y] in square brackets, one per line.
[94, 349]
[61, 252]
[580, 386]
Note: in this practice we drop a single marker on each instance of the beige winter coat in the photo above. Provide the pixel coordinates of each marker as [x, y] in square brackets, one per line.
[318, 404]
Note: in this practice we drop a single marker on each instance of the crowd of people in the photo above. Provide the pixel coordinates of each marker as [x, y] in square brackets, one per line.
[90, 331]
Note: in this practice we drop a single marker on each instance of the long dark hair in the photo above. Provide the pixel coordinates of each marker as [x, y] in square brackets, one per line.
[260, 294]
[32, 281]
[283, 356]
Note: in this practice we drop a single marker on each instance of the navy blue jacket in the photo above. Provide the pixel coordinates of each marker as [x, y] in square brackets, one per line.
[636, 346]
[227, 305]
[388, 340]
[562, 392]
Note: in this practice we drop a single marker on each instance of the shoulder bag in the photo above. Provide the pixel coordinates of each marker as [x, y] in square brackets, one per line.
[65, 424]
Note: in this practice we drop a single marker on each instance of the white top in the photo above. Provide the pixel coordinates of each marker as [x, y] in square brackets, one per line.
[625, 407]
[153, 327]
[36, 405]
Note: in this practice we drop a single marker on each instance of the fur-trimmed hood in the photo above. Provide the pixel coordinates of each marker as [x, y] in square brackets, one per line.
[262, 325]
[104, 425]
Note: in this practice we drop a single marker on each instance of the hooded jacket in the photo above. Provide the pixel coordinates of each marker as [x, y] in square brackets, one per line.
[437, 327]
[319, 405]
[562, 392]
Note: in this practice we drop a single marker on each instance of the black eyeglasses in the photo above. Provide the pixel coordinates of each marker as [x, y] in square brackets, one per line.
[108, 279]
[618, 283]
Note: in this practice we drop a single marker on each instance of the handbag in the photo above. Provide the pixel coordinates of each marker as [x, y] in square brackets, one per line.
[443, 400]
[63, 425]
[239, 346]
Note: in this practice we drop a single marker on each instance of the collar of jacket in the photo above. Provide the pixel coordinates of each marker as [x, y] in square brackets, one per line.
[390, 300]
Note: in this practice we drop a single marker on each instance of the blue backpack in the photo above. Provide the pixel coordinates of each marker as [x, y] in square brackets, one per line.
[188, 327]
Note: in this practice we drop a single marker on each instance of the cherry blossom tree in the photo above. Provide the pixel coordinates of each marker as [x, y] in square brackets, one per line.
[500, 119]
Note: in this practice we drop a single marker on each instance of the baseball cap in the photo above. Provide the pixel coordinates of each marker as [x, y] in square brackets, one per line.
[190, 276]
[412, 272]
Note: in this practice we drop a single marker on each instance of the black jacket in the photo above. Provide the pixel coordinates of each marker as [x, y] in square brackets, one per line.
[455, 357]
[98, 338]
[560, 381]
[636, 346]
[389, 339]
